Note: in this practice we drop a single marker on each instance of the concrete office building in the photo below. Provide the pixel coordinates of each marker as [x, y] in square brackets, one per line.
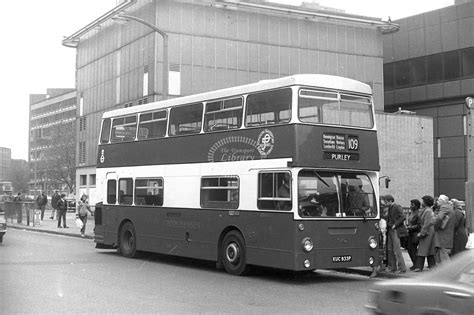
[51, 138]
[212, 45]
[429, 69]
[5, 163]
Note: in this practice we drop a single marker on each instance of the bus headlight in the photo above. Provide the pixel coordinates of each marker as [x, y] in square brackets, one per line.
[307, 264]
[307, 244]
[371, 260]
[372, 243]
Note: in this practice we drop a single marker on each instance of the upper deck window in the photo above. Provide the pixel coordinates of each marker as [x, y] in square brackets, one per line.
[105, 132]
[322, 107]
[186, 119]
[268, 108]
[124, 128]
[223, 115]
[152, 125]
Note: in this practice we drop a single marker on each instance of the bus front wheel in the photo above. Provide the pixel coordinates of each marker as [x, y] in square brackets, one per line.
[233, 254]
[127, 241]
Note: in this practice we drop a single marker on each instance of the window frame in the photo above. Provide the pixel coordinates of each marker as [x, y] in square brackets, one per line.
[248, 124]
[223, 110]
[113, 138]
[264, 202]
[165, 119]
[160, 190]
[213, 204]
[175, 111]
[121, 198]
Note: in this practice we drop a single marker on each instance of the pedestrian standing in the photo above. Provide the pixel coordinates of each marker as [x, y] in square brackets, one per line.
[54, 204]
[426, 248]
[82, 210]
[62, 209]
[41, 202]
[18, 198]
[395, 229]
[413, 227]
[444, 230]
[460, 233]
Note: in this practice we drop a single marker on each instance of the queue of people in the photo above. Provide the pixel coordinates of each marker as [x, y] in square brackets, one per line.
[434, 230]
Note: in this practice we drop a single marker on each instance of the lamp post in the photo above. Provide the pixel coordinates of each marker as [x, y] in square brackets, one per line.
[470, 164]
[165, 50]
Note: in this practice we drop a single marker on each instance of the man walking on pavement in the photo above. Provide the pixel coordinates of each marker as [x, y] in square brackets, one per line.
[62, 209]
[54, 204]
[395, 222]
[41, 202]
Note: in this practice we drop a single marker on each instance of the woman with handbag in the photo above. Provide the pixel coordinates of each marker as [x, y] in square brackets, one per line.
[426, 248]
[82, 211]
[413, 227]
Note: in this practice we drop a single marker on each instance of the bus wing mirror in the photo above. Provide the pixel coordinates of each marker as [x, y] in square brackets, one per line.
[387, 182]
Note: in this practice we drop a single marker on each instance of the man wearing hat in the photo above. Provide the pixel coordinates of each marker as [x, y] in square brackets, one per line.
[395, 229]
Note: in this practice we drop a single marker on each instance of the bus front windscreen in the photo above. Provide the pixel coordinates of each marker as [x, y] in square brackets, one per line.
[334, 194]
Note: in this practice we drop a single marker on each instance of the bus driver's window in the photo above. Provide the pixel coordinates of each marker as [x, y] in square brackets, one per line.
[274, 191]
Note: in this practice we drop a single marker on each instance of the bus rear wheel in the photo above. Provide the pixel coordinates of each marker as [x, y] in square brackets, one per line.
[233, 254]
[128, 240]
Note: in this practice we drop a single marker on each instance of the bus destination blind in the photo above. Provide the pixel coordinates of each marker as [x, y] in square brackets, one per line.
[340, 147]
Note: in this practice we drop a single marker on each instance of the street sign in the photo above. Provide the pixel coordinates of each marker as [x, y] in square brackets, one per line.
[469, 102]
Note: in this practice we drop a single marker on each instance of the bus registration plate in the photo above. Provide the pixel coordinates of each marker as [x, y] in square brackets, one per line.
[343, 258]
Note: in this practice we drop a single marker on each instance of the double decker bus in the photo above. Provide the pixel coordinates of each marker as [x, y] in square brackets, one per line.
[280, 173]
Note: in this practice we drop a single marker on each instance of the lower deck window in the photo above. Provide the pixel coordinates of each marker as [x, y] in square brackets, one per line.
[149, 191]
[125, 191]
[274, 191]
[220, 192]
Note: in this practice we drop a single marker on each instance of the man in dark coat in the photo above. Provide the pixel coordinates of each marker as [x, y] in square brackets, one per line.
[395, 227]
[54, 203]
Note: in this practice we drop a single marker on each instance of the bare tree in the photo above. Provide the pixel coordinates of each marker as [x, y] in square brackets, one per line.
[57, 161]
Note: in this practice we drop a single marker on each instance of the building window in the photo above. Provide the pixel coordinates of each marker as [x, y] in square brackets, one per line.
[81, 106]
[82, 124]
[274, 191]
[418, 71]
[468, 62]
[92, 179]
[145, 83]
[149, 191]
[143, 101]
[435, 68]
[464, 124]
[402, 74]
[83, 180]
[82, 152]
[220, 192]
[388, 76]
[452, 65]
[438, 145]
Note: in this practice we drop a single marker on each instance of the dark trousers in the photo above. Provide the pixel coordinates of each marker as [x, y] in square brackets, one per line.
[42, 212]
[411, 249]
[84, 221]
[420, 262]
[62, 215]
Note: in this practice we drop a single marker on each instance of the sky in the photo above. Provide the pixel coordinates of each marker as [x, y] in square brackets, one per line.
[32, 58]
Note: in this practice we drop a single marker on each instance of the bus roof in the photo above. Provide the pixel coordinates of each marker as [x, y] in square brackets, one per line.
[315, 80]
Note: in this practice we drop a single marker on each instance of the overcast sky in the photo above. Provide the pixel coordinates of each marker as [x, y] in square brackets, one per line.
[32, 58]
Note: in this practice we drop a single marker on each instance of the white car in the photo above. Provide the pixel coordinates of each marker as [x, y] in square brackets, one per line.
[448, 289]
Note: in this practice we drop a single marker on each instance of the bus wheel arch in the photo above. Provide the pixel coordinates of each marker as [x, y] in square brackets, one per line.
[127, 239]
[233, 252]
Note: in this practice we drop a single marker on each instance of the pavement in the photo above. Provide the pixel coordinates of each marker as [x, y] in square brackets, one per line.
[51, 226]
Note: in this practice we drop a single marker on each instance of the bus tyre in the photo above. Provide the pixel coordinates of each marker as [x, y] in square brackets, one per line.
[128, 240]
[233, 254]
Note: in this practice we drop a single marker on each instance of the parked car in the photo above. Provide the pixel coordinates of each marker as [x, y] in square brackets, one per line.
[448, 289]
[3, 225]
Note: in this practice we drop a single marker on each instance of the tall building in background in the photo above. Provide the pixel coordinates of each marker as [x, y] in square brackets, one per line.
[218, 44]
[5, 163]
[429, 69]
[52, 141]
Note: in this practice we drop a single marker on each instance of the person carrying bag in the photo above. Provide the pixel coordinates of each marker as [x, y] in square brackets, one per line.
[82, 211]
